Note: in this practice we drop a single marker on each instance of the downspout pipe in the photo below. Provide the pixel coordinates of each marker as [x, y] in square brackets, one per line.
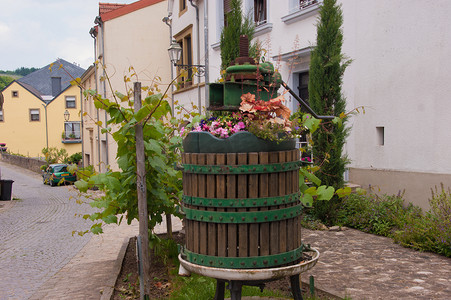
[207, 80]
[101, 24]
[97, 21]
[199, 101]
[168, 21]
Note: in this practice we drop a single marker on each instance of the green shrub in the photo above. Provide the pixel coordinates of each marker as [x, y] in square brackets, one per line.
[74, 158]
[407, 225]
[432, 231]
[371, 213]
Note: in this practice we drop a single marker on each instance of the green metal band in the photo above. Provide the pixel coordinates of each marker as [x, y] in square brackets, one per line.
[249, 202]
[242, 169]
[242, 217]
[252, 262]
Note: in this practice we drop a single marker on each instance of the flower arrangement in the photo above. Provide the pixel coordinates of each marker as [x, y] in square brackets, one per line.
[268, 120]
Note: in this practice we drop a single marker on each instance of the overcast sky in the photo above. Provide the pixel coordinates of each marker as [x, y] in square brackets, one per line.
[34, 33]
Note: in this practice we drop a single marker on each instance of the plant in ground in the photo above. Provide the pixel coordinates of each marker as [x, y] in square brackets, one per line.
[431, 231]
[327, 67]
[407, 225]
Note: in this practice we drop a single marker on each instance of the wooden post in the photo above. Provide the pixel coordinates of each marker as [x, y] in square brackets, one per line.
[142, 194]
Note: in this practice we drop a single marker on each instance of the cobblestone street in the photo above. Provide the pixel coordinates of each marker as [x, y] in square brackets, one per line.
[36, 232]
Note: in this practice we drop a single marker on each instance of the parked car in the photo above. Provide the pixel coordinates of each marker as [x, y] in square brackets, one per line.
[57, 173]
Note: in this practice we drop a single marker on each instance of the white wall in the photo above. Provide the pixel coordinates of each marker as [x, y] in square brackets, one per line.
[400, 74]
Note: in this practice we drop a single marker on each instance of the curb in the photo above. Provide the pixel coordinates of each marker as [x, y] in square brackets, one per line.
[109, 289]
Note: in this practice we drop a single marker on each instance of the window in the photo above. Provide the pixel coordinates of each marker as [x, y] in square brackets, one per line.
[72, 130]
[227, 9]
[306, 3]
[56, 85]
[303, 86]
[260, 16]
[380, 135]
[70, 102]
[15, 94]
[34, 114]
[182, 7]
[1, 115]
[184, 40]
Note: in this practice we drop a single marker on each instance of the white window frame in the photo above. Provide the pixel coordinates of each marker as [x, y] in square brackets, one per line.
[35, 112]
[71, 127]
[70, 99]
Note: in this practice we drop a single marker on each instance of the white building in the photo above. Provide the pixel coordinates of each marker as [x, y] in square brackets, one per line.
[400, 75]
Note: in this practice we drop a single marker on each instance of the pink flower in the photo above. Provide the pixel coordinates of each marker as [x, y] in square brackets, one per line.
[182, 131]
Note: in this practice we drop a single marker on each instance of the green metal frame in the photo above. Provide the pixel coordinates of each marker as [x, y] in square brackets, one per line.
[242, 169]
[240, 217]
[251, 262]
[247, 202]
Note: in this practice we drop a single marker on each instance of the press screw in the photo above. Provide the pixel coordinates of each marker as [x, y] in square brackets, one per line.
[211, 217]
[266, 217]
[265, 262]
[254, 203]
[254, 263]
[242, 263]
[243, 218]
[275, 261]
[211, 262]
[231, 218]
[220, 218]
[255, 219]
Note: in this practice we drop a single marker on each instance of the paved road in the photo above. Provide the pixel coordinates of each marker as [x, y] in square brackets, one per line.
[36, 232]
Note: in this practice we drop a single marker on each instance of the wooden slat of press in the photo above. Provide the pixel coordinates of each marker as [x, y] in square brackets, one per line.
[211, 193]
[264, 192]
[253, 193]
[296, 188]
[221, 193]
[282, 192]
[243, 233]
[289, 190]
[186, 191]
[203, 231]
[296, 219]
[232, 233]
[273, 192]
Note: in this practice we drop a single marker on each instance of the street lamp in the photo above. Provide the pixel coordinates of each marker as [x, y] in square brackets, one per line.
[175, 52]
[66, 115]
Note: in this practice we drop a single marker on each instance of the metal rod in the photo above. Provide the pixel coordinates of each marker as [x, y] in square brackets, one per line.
[304, 104]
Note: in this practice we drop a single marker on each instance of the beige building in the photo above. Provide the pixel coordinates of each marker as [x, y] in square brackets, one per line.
[42, 110]
[131, 44]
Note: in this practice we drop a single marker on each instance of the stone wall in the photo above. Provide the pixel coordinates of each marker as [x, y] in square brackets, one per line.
[32, 164]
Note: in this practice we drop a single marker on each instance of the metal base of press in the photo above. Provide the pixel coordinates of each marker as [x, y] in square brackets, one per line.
[236, 278]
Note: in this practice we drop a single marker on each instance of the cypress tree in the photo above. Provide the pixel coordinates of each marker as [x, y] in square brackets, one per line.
[230, 36]
[327, 66]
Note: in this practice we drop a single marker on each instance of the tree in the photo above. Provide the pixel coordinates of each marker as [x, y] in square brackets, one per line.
[4, 81]
[230, 35]
[327, 67]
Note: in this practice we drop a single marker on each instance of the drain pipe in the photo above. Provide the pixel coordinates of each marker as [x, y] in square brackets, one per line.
[199, 102]
[101, 24]
[94, 36]
[168, 21]
[207, 80]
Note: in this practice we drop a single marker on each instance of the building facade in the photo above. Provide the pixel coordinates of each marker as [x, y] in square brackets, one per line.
[42, 110]
[130, 42]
